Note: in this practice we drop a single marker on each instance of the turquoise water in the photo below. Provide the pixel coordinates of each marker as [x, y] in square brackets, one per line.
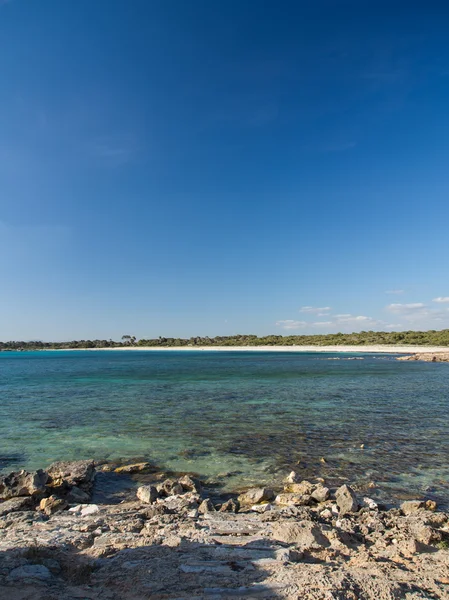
[235, 417]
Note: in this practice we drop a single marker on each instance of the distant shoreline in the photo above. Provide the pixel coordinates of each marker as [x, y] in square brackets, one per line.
[373, 349]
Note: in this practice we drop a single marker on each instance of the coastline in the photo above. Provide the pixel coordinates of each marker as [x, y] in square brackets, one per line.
[371, 349]
[174, 539]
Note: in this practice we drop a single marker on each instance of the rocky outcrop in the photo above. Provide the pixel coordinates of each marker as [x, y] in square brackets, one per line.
[22, 483]
[79, 474]
[181, 546]
[427, 356]
[68, 481]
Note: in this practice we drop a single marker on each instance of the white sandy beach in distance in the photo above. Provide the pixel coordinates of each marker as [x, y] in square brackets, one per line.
[368, 349]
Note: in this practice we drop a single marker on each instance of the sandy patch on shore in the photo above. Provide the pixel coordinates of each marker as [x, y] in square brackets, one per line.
[367, 349]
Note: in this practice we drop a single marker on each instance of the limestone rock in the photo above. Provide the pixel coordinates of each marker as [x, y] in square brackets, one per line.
[425, 534]
[305, 534]
[148, 494]
[293, 477]
[230, 506]
[30, 574]
[79, 473]
[262, 508]
[77, 496]
[170, 487]
[52, 505]
[256, 496]
[89, 509]
[320, 493]
[304, 487]
[190, 484]
[370, 503]
[346, 500]
[182, 502]
[15, 505]
[143, 467]
[206, 506]
[411, 506]
[23, 483]
[291, 499]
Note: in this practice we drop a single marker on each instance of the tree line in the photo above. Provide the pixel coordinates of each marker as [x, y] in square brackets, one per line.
[411, 338]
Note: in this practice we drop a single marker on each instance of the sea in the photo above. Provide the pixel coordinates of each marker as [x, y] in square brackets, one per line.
[235, 419]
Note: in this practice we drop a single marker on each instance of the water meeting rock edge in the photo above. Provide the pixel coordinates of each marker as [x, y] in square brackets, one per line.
[175, 538]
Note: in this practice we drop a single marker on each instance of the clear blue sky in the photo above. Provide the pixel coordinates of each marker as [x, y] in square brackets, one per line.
[213, 167]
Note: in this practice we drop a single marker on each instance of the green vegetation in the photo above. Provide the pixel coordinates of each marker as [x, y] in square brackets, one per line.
[411, 338]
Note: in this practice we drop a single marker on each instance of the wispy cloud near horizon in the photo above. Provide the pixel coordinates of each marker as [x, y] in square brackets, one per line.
[315, 310]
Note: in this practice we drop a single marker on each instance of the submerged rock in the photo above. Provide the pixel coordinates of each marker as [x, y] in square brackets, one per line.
[346, 500]
[143, 467]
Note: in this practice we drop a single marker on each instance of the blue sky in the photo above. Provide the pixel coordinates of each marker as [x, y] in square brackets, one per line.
[209, 168]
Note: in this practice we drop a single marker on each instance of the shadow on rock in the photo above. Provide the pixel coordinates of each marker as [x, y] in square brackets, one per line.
[184, 570]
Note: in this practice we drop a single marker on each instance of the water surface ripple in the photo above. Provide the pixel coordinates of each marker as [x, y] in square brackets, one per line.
[242, 417]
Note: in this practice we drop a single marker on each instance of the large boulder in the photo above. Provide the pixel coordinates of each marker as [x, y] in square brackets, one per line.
[23, 483]
[346, 500]
[80, 473]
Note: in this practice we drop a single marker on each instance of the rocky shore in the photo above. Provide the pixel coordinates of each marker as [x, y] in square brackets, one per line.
[176, 540]
[427, 356]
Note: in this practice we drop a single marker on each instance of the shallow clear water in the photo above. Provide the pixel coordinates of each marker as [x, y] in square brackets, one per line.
[241, 417]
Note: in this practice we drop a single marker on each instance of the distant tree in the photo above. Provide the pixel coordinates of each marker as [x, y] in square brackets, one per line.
[129, 340]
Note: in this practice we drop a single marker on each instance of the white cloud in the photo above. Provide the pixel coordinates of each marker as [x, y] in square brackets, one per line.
[355, 321]
[418, 313]
[441, 299]
[394, 291]
[404, 308]
[322, 323]
[291, 324]
[315, 310]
